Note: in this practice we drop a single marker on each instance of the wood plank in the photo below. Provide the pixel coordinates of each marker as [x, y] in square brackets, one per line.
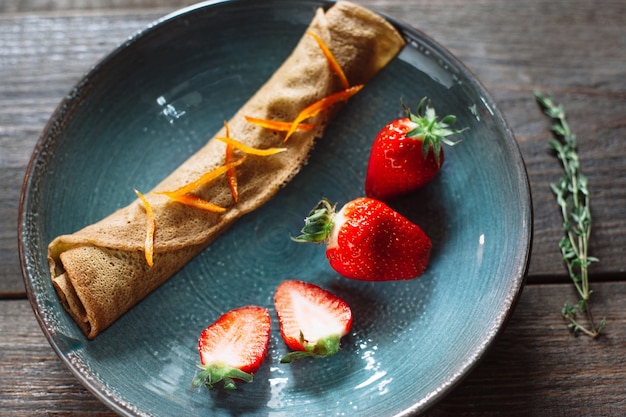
[33, 380]
[534, 365]
[514, 48]
[42, 59]
[537, 368]
[39, 6]
[518, 47]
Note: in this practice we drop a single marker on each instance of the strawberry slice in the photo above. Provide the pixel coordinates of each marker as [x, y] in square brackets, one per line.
[368, 240]
[407, 153]
[233, 347]
[312, 320]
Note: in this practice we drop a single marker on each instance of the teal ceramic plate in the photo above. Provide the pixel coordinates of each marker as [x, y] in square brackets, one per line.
[155, 100]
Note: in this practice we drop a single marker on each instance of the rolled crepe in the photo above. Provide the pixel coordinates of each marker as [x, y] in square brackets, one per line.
[100, 271]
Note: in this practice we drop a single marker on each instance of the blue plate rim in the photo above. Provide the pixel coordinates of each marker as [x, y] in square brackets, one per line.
[63, 110]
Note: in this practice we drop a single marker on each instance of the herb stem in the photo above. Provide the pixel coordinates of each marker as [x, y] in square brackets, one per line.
[592, 334]
[572, 197]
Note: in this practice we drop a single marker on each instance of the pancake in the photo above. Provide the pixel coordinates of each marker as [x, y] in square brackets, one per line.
[100, 271]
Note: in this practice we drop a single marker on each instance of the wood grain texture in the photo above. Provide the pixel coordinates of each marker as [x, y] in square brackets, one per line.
[513, 48]
[573, 48]
[43, 6]
[41, 59]
[535, 367]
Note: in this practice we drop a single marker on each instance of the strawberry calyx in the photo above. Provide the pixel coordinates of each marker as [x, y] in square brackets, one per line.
[326, 346]
[213, 373]
[430, 129]
[318, 224]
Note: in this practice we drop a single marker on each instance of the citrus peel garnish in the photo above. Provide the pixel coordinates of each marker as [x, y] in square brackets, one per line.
[194, 201]
[321, 105]
[332, 62]
[250, 150]
[204, 179]
[277, 125]
[182, 194]
[231, 174]
[150, 228]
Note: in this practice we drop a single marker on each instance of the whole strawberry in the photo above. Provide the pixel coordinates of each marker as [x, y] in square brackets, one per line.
[312, 320]
[233, 347]
[367, 240]
[407, 153]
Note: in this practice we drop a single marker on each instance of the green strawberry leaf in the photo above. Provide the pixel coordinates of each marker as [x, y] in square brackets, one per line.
[430, 129]
[327, 346]
[318, 224]
[213, 373]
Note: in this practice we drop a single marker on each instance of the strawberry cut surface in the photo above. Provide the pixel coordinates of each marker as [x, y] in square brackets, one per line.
[233, 347]
[312, 319]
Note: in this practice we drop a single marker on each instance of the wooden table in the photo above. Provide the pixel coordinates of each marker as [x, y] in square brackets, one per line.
[574, 48]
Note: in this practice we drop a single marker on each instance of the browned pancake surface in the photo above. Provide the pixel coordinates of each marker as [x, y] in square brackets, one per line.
[100, 271]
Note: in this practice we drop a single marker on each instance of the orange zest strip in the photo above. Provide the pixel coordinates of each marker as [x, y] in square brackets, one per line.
[150, 227]
[277, 125]
[231, 174]
[322, 105]
[249, 150]
[204, 179]
[334, 65]
[193, 201]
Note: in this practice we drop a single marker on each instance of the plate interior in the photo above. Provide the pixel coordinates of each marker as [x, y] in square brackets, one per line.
[154, 101]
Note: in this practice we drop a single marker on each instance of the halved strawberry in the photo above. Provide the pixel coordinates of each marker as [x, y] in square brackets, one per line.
[368, 240]
[407, 153]
[233, 347]
[312, 319]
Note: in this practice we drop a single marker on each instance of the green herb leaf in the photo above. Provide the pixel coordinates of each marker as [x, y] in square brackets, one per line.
[572, 196]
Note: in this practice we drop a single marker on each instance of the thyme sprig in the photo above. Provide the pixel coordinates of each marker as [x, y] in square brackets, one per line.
[572, 196]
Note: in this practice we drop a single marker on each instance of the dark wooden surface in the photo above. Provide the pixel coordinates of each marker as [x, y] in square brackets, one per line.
[574, 48]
